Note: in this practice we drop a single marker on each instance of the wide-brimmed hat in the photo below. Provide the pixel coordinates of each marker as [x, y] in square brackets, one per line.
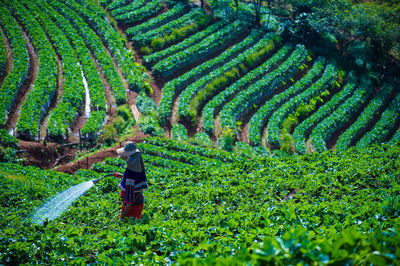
[129, 149]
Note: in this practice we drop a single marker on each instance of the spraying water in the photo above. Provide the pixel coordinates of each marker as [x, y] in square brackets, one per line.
[56, 206]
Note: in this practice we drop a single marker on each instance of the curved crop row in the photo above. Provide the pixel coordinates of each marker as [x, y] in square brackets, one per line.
[64, 114]
[93, 126]
[94, 43]
[186, 43]
[305, 127]
[264, 87]
[185, 100]
[178, 146]
[213, 43]
[44, 87]
[153, 23]
[140, 14]
[369, 114]
[135, 75]
[3, 56]
[117, 4]
[384, 126]
[188, 18]
[274, 124]
[324, 130]
[19, 72]
[128, 8]
[174, 87]
[261, 117]
[396, 138]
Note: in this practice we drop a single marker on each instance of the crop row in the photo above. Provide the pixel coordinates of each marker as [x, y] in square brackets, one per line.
[140, 14]
[182, 147]
[128, 8]
[274, 124]
[188, 18]
[185, 111]
[116, 4]
[174, 87]
[305, 127]
[385, 125]
[213, 43]
[44, 87]
[93, 42]
[342, 115]
[3, 56]
[135, 75]
[396, 137]
[261, 117]
[364, 120]
[183, 157]
[186, 43]
[255, 93]
[153, 23]
[19, 72]
[73, 92]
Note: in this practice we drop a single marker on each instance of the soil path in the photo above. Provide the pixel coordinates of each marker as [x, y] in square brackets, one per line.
[56, 99]
[97, 157]
[10, 58]
[26, 86]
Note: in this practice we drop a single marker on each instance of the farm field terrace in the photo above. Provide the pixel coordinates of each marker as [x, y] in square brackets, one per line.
[328, 208]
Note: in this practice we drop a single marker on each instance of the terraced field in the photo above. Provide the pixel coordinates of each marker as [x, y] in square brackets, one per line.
[221, 77]
[65, 67]
[65, 64]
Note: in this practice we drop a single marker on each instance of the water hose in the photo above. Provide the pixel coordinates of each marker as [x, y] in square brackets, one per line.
[100, 178]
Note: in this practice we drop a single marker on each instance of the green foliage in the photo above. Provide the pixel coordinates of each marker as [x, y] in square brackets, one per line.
[149, 125]
[179, 132]
[201, 139]
[145, 104]
[204, 207]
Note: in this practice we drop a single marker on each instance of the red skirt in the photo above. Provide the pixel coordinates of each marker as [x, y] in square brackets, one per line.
[134, 211]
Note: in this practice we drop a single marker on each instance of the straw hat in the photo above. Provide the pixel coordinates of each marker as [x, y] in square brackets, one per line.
[129, 149]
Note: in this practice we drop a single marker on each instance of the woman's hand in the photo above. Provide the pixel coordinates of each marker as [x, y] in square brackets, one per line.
[118, 175]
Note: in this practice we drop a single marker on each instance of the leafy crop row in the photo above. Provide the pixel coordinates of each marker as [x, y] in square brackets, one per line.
[213, 43]
[364, 120]
[324, 130]
[188, 18]
[117, 4]
[174, 87]
[255, 93]
[179, 132]
[19, 72]
[64, 114]
[186, 110]
[274, 124]
[384, 126]
[186, 43]
[44, 87]
[261, 117]
[3, 56]
[128, 8]
[140, 14]
[135, 75]
[153, 23]
[305, 127]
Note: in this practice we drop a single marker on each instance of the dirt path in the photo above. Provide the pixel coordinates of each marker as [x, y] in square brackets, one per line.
[10, 58]
[56, 99]
[97, 157]
[26, 86]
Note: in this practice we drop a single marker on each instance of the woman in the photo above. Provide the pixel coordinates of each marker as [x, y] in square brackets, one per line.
[133, 183]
